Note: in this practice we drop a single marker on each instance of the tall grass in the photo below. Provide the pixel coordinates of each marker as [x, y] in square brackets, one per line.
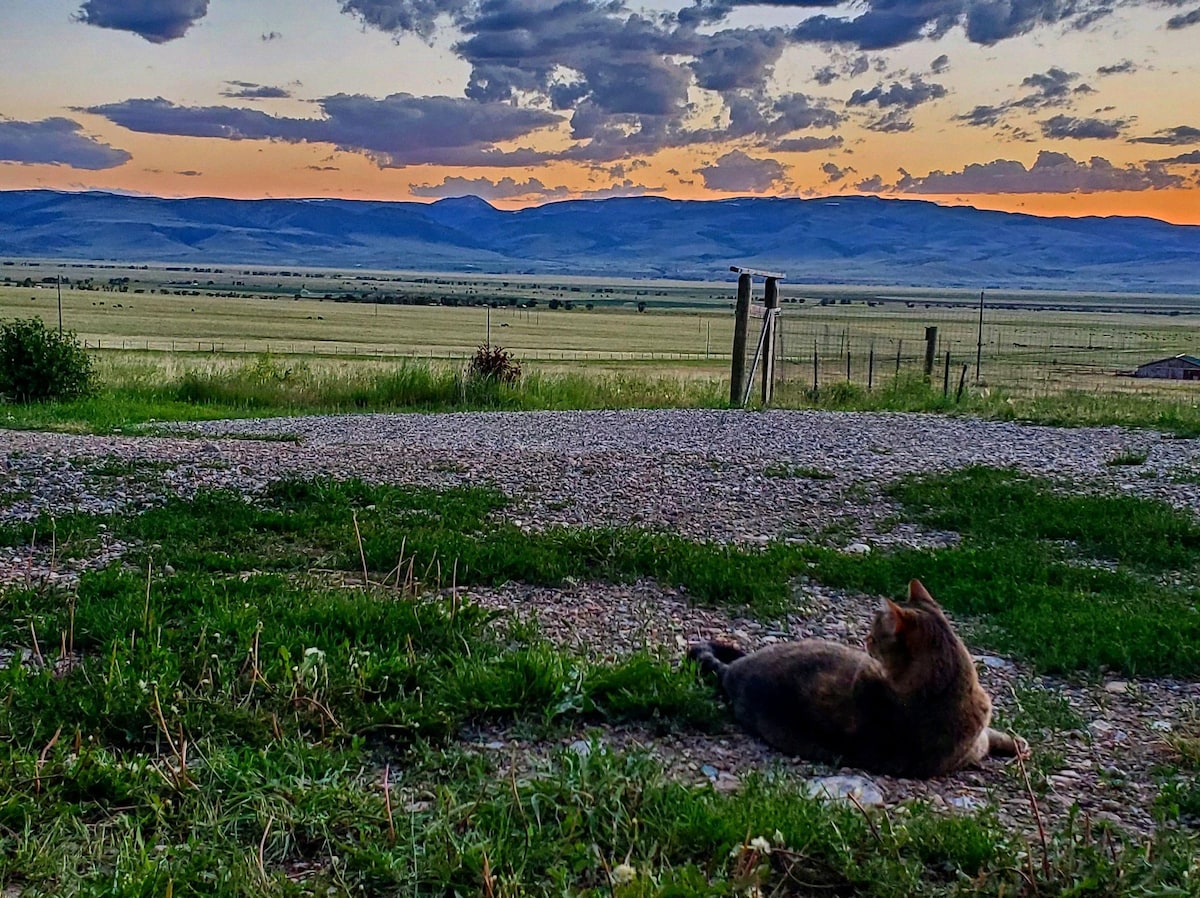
[138, 387]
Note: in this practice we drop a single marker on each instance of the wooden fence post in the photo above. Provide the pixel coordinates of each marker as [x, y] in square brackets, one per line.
[930, 350]
[770, 304]
[741, 324]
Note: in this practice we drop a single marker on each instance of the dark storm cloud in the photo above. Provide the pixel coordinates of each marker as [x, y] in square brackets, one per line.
[1066, 126]
[1192, 158]
[825, 75]
[1125, 66]
[1184, 20]
[884, 24]
[894, 121]
[1050, 173]
[624, 76]
[736, 172]
[873, 184]
[798, 112]
[984, 116]
[834, 172]
[158, 21]
[737, 59]
[398, 130]
[806, 144]
[905, 96]
[417, 16]
[269, 36]
[940, 65]
[520, 45]
[487, 189]
[1179, 136]
[56, 141]
[1050, 88]
[245, 90]
[876, 29]
[843, 66]
[989, 21]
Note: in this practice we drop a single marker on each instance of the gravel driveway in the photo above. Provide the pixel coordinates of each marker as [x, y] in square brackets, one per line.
[724, 475]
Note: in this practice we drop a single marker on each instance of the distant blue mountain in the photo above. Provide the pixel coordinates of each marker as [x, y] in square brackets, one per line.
[851, 240]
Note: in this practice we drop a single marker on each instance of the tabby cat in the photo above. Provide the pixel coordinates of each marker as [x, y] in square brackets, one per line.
[910, 705]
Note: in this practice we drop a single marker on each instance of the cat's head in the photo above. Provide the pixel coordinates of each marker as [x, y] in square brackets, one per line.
[902, 633]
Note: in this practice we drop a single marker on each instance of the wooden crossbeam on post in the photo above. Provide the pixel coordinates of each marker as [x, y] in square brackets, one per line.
[741, 381]
[770, 305]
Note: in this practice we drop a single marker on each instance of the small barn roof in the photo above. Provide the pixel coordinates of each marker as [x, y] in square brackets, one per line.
[1183, 357]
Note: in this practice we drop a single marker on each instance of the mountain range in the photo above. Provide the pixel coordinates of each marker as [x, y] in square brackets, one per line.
[848, 240]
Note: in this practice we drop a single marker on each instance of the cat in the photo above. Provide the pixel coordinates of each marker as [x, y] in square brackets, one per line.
[910, 705]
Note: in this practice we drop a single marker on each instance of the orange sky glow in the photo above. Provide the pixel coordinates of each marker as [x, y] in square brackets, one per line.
[1090, 112]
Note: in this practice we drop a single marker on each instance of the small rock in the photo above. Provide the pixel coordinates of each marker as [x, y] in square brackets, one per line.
[710, 771]
[580, 747]
[857, 549]
[1116, 687]
[964, 802]
[727, 782]
[495, 746]
[1163, 726]
[842, 788]
[993, 662]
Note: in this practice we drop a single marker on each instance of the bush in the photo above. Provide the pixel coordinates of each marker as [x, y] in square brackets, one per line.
[495, 363]
[38, 364]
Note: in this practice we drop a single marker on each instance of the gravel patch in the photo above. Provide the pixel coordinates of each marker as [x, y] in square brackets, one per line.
[720, 475]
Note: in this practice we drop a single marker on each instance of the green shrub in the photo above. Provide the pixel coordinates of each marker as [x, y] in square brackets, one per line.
[37, 364]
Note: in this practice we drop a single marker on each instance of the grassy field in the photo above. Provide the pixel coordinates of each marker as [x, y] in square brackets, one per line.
[1030, 343]
[237, 711]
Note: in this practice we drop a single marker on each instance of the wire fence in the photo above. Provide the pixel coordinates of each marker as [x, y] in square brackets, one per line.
[371, 351]
[1021, 350]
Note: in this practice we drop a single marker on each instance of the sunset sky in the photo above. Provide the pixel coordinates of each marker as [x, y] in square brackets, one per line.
[1046, 106]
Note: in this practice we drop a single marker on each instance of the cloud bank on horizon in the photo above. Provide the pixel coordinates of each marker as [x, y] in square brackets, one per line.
[569, 98]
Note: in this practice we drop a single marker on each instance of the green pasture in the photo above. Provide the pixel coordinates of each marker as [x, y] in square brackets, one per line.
[170, 344]
[308, 326]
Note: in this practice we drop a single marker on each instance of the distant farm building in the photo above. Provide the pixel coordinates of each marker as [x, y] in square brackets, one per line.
[1179, 367]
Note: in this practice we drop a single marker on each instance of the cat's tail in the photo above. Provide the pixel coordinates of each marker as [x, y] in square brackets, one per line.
[714, 657]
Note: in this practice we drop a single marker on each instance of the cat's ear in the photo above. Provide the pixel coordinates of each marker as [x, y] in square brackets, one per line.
[919, 595]
[892, 617]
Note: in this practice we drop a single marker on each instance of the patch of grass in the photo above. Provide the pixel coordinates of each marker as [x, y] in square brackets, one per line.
[1039, 714]
[296, 819]
[1046, 574]
[444, 537]
[134, 468]
[992, 506]
[245, 658]
[71, 533]
[1179, 785]
[1130, 457]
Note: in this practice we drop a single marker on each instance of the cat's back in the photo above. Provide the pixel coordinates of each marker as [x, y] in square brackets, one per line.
[802, 697]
